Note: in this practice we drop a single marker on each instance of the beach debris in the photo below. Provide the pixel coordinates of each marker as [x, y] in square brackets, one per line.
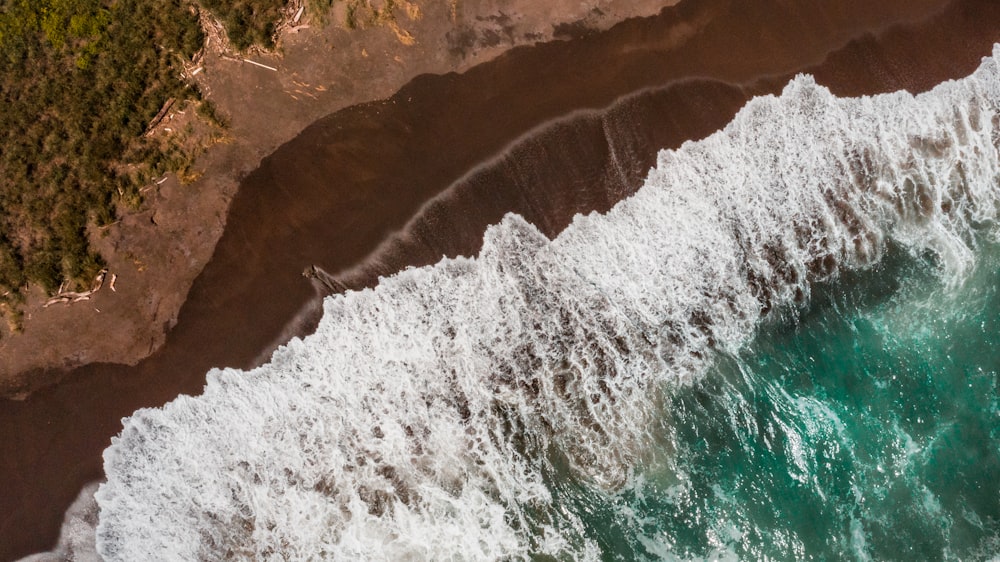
[55, 300]
[159, 116]
[327, 281]
[260, 65]
[301, 93]
[69, 297]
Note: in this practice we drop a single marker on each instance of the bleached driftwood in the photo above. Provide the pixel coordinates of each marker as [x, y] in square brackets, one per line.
[260, 65]
[159, 116]
[67, 297]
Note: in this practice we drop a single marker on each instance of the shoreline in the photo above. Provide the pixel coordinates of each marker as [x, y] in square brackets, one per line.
[423, 148]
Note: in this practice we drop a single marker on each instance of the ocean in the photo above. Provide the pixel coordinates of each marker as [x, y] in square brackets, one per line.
[779, 347]
[863, 427]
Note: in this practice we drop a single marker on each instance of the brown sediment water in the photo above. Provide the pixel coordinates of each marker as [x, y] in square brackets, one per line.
[546, 131]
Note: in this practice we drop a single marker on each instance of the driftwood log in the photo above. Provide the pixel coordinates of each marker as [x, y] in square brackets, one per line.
[67, 297]
[324, 279]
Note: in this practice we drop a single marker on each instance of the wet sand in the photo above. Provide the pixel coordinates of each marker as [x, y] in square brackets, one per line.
[376, 187]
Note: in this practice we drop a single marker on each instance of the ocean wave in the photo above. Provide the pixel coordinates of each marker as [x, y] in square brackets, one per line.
[425, 417]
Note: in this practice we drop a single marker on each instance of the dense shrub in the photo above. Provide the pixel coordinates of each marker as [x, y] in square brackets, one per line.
[248, 22]
[80, 81]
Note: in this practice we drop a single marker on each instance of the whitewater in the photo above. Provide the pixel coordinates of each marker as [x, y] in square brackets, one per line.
[427, 418]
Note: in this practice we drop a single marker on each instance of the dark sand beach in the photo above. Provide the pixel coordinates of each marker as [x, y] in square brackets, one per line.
[545, 131]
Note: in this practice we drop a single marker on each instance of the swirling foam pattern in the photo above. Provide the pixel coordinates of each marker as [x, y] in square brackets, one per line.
[425, 419]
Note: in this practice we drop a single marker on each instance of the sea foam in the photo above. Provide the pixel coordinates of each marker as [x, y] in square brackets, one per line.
[424, 418]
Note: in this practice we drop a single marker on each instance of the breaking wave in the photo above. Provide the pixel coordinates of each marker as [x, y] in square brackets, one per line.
[425, 418]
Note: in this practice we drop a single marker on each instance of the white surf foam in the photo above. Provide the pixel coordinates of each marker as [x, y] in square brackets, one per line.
[421, 420]
[77, 535]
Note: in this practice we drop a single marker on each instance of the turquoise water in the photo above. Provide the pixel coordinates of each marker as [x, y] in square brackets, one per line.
[864, 427]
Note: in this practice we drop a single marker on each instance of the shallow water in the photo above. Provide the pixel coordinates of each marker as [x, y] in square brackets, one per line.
[863, 427]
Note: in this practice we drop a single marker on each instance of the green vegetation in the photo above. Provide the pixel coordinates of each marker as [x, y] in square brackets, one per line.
[319, 10]
[248, 22]
[80, 81]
